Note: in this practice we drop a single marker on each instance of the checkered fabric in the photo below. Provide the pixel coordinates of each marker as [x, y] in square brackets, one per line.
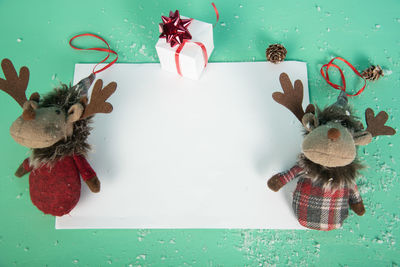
[318, 208]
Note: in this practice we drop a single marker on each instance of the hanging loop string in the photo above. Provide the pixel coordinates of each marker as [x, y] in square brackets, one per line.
[325, 75]
[107, 50]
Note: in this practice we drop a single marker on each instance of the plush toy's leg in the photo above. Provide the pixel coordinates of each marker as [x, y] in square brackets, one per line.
[21, 171]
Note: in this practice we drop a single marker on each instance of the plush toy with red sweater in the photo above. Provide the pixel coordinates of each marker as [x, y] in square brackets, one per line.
[56, 129]
[328, 166]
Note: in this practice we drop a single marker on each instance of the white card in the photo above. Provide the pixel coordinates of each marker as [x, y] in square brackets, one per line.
[178, 153]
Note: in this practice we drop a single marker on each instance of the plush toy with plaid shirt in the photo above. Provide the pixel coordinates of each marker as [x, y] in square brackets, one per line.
[328, 166]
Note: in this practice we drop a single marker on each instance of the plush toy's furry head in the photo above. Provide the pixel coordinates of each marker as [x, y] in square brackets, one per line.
[46, 122]
[54, 127]
[333, 134]
[329, 155]
[63, 98]
[57, 125]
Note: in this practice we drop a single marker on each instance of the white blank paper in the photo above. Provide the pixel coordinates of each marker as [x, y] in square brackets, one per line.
[178, 153]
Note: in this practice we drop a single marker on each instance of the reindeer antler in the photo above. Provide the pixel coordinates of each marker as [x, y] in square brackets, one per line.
[98, 99]
[14, 85]
[376, 125]
[292, 97]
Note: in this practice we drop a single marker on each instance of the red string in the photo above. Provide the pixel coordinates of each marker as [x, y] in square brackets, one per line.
[179, 49]
[216, 13]
[203, 48]
[108, 50]
[177, 52]
[205, 56]
[325, 75]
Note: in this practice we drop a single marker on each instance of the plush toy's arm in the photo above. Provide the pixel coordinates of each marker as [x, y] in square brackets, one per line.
[355, 201]
[277, 181]
[24, 168]
[87, 173]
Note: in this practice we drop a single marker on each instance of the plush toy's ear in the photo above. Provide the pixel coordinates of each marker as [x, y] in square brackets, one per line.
[75, 113]
[29, 108]
[309, 122]
[362, 138]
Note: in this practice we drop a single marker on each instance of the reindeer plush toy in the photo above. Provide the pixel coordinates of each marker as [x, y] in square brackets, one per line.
[56, 129]
[328, 166]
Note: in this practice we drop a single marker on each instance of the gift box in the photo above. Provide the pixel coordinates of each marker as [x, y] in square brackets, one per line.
[186, 49]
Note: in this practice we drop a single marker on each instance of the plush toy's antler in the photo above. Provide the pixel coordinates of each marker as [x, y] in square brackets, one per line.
[376, 125]
[14, 85]
[292, 97]
[98, 99]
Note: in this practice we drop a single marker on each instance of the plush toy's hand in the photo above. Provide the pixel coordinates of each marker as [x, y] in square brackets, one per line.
[21, 171]
[274, 183]
[358, 208]
[94, 184]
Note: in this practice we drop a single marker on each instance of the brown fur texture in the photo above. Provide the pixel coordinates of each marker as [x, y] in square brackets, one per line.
[64, 97]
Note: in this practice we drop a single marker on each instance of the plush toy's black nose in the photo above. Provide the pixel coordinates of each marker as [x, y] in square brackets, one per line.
[333, 134]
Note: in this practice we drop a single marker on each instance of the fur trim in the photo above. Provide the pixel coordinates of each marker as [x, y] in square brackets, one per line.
[339, 114]
[63, 97]
[330, 178]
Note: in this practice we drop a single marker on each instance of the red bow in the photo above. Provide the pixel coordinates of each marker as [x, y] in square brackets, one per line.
[174, 29]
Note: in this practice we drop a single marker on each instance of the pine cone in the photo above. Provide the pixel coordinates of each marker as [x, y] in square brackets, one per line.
[373, 73]
[276, 53]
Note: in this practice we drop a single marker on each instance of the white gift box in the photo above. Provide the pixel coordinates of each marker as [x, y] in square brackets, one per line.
[191, 58]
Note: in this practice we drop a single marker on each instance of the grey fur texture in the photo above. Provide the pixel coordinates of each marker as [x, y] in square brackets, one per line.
[330, 177]
[342, 115]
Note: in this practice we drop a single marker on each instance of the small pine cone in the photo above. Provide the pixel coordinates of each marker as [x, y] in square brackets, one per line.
[276, 53]
[373, 73]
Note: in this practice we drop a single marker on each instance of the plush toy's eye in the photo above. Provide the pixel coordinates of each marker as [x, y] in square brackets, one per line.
[322, 122]
[344, 124]
[58, 112]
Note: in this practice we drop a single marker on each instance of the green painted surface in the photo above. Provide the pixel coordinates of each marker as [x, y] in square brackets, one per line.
[36, 34]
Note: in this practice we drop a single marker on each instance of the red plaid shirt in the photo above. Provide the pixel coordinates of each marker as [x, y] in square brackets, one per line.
[318, 208]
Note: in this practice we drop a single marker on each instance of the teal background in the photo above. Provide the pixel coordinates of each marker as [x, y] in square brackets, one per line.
[36, 34]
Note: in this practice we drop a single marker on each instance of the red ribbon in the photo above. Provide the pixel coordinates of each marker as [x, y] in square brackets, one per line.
[107, 50]
[179, 49]
[216, 14]
[201, 45]
[325, 75]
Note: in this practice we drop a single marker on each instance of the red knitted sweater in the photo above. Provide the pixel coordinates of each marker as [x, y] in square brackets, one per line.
[56, 190]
